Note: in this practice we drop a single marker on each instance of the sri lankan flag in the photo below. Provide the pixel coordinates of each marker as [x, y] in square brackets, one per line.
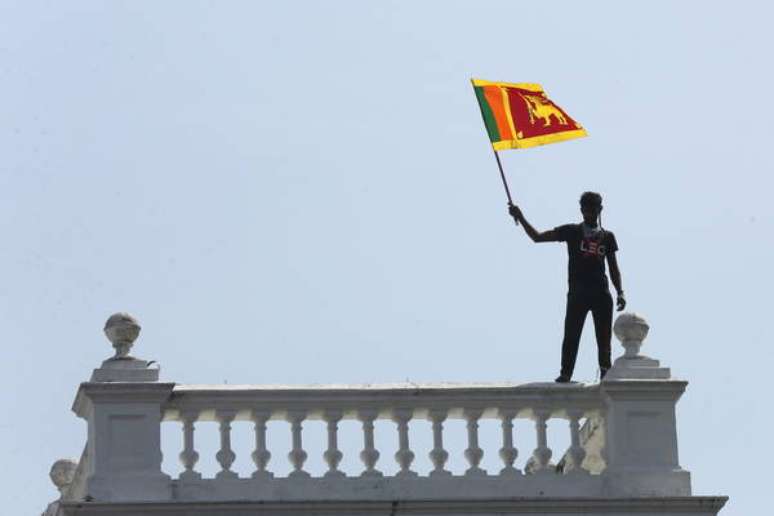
[520, 115]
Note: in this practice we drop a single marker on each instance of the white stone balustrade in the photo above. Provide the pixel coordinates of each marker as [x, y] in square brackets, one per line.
[398, 404]
[622, 434]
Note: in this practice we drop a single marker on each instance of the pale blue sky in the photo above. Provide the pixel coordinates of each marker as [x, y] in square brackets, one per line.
[294, 192]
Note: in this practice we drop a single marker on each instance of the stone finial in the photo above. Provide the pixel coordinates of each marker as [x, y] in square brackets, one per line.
[62, 473]
[122, 330]
[631, 329]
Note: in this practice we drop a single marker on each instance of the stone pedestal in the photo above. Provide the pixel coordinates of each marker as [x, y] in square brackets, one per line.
[122, 405]
[125, 370]
[640, 424]
[124, 443]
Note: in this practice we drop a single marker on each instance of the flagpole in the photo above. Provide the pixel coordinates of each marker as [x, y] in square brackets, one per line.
[502, 176]
[505, 182]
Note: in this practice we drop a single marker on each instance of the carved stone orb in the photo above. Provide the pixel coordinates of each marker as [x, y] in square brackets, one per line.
[631, 329]
[62, 473]
[122, 330]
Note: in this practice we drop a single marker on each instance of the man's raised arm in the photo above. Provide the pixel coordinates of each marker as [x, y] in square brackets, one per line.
[535, 235]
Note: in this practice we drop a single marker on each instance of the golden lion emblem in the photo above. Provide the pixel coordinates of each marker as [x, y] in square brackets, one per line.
[541, 108]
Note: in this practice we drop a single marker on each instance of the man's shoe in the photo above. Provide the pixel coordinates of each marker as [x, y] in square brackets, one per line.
[562, 378]
[602, 373]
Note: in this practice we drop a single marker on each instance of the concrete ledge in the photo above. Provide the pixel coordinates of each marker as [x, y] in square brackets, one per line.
[698, 505]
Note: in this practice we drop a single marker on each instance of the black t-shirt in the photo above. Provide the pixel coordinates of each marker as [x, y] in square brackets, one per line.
[586, 250]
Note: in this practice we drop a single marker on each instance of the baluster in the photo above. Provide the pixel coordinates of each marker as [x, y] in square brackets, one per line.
[601, 458]
[333, 455]
[508, 452]
[576, 453]
[189, 456]
[404, 456]
[473, 453]
[261, 455]
[225, 455]
[297, 454]
[369, 455]
[542, 453]
[438, 455]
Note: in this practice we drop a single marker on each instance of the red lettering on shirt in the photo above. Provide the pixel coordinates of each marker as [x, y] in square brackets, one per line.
[591, 247]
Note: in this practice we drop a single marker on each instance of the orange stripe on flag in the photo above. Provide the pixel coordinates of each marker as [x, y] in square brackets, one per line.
[494, 98]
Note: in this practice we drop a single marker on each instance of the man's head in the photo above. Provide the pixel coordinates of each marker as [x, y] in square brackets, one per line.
[591, 207]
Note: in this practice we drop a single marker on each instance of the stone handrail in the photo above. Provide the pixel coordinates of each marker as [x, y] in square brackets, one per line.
[622, 433]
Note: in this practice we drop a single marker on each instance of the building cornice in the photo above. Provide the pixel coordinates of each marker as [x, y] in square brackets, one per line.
[703, 505]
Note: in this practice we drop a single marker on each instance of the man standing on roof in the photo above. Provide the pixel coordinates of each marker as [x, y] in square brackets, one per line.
[588, 245]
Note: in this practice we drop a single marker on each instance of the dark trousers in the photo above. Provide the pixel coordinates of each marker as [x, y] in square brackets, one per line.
[600, 303]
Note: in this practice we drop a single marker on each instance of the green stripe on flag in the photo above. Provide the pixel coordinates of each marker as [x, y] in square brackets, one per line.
[486, 112]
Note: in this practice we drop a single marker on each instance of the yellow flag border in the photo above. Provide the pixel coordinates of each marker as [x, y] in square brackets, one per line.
[535, 141]
[529, 86]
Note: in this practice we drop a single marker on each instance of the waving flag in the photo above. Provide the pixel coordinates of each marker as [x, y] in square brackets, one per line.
[518, 116]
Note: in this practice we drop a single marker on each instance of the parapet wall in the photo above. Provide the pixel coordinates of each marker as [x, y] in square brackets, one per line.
[621, 433]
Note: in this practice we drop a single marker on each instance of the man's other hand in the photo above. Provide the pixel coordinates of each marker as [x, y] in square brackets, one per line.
[514, 211]
[620, 301]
